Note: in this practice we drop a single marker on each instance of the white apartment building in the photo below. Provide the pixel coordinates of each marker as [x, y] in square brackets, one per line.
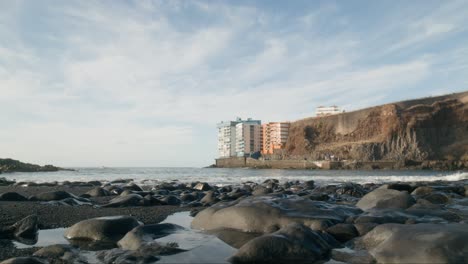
[228, 143]
[248, 137]
[327, 110]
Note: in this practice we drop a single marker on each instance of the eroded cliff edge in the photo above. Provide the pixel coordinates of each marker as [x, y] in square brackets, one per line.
[419, 130]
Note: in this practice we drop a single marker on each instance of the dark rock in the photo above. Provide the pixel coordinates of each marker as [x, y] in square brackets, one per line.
[262, 214]
[5, 182]
[352, 189]
[66, 253]
[343, 232]
[12, 196]
[261, 190]
[188, 197]
[437, 198]
[71, 202]
[106, 229]
[54, 196]
[418, 243]
[291, 244]
[98, 192]
[145, 235]
[385, 198]
[351, 256]
[170, 200]
[422, 190]
[26, 227]
[317, 197]
[209, 198]
[364, 228]
[129, 200]
[309, 185]
[132, 187]
[400, 187]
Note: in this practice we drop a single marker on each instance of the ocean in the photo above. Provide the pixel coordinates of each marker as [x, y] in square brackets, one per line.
[221, 176]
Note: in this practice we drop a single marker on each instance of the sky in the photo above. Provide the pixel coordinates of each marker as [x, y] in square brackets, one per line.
[143, 83]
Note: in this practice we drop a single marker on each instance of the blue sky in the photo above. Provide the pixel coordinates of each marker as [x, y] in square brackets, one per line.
[143, 83]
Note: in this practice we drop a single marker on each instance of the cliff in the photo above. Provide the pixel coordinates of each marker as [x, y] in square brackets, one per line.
[433, 128]
[11, 165]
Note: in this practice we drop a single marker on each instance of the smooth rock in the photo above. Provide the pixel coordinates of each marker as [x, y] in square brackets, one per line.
[343, 232]
[385, 198]
[422, 190]
[98, 192]
[12, 196]
[202, 186]
[145, 235]
[291, 244]
[26, 227]
[128, 200]
[54, 196]
[106, 229]
[437, 198]
[262, 214]
[59, 251]
[418, 243]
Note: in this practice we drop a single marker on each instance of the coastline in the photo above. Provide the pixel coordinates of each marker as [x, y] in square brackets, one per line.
[245, 162]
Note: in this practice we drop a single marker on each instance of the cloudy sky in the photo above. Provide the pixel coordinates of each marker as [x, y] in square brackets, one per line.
[143, 83]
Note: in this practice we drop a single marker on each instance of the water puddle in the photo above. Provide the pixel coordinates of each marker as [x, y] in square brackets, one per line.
[45, 238]
[202, 247]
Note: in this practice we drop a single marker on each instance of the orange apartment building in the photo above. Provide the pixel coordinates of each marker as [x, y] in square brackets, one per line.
[274, 136]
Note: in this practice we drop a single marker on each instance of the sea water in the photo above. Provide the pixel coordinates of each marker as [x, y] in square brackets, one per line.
[223, 176]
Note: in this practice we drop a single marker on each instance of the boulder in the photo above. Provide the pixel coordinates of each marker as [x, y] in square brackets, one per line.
[418, 243]
[105, 229]
[261, 190]
[343, 232]
[132, 187]
[347, 255]
[385, 198]
[55, 252]
[351, 189]
[309, 185]
[291, 244]
[264, 214]
[400, 187]
[170, 200]
[98, 192]
[128, 200]
[12, 196]
[53, 196]
[209, 198]
[145, 235]
[26, 227]
[437, 198]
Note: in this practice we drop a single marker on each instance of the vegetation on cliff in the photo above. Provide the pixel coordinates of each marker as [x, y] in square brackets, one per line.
[433, 128]
[11, 165]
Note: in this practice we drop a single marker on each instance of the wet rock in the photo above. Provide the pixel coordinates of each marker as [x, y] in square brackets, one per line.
[418, 243]
[352, 189]
[70, 202]
[53, 196]
[347, 255]
[5, 182]
[122, 181]
[293, 243]
[98, 192]
[202, 186]
[437, 198]
[466, 190]
[66, 253]
[132, 187]
[12, 196]
[188, 197]
[385, 198]
[145, 235]
[120, 256]
[262, 214]
[422, 190]
[261, 190]
[128, 200]
[105, 229]
[209, 198]
[343, 232]
[113, 189]
[309, 185]
[364, 228]
[24, 260]
[26, 227]
[400, 187]
[235, 239]
[170, 200]
[317, 197]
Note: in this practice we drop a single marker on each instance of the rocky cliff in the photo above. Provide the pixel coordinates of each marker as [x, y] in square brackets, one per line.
[433, 128]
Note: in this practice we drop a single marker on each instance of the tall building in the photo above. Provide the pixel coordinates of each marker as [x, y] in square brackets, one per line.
[248, 137]
[327, 110]
[228, 141]
[274, 136]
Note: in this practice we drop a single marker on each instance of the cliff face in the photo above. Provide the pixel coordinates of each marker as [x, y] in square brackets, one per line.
[426, 129]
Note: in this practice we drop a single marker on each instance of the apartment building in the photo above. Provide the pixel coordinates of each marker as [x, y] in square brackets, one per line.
[327, 110]
[248, 137]
[274, 136]
[236, 140]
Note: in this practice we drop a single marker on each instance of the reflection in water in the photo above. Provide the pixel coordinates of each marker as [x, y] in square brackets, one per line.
[45, 237]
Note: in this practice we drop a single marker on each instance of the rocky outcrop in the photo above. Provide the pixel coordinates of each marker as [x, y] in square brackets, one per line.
[11, 165]
[410, 132]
